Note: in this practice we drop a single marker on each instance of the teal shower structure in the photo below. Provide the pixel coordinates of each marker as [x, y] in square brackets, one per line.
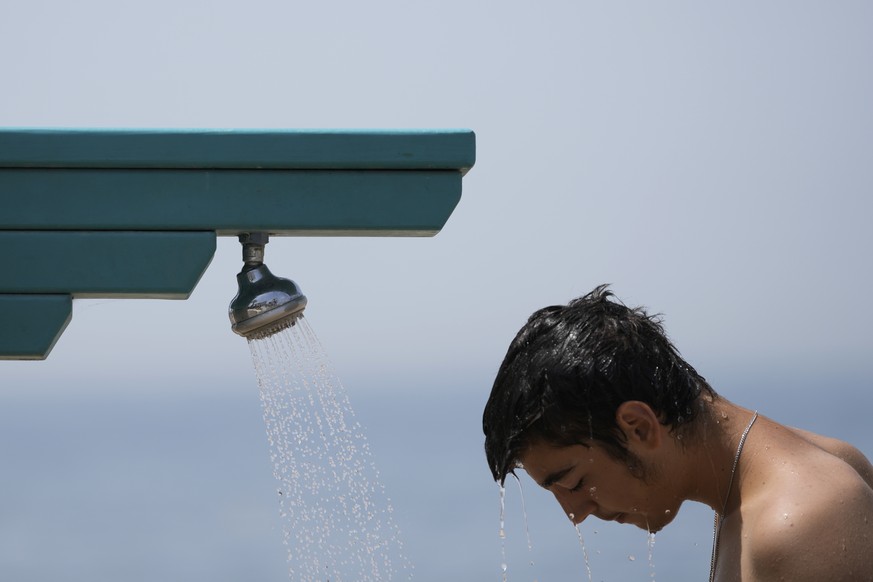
[135, 213]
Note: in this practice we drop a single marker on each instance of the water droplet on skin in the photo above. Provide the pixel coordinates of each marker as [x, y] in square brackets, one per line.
[593, 491]
[668, 512]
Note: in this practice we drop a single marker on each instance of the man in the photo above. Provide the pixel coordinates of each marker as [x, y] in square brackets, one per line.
[598, 407]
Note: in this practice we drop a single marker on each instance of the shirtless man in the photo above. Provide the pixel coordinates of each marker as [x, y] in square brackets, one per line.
[597, 406]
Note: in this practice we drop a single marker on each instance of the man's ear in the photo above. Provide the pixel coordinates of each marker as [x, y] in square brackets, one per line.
[639, 423]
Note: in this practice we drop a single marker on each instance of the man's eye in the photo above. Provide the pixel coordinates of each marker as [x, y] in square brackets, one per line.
[578, 486]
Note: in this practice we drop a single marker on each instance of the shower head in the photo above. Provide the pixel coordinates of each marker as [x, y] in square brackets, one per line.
[265, 304]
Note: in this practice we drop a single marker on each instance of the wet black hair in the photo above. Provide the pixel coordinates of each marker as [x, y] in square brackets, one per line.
[568, 370]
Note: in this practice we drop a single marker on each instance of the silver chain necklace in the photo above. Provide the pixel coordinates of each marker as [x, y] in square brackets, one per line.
[716, 528]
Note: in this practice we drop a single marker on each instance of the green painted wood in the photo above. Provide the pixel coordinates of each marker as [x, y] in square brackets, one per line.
[31, 324]
[238, 149]
[134, 213]
[283, 202]
[164, 265]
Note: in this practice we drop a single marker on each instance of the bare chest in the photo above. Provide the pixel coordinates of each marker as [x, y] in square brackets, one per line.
[728, 558]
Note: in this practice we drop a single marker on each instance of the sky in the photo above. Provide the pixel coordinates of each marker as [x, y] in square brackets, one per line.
[712, 163]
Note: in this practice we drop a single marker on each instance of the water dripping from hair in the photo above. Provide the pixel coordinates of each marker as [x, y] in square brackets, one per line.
[524, 517]
[502, 532]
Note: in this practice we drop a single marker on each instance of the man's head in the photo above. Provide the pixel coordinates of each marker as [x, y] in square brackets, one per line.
[569, 369]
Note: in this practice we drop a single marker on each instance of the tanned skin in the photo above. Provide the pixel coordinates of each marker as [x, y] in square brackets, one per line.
[800, 508]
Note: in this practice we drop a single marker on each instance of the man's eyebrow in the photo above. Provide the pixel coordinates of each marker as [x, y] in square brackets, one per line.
[555, 477]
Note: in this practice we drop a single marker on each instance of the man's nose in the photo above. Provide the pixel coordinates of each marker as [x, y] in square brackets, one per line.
[575, 505]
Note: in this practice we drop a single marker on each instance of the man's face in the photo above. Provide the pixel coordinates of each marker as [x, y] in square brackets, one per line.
[587, 481]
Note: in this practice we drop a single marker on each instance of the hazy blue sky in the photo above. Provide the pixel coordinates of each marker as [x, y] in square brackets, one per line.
[714, 163]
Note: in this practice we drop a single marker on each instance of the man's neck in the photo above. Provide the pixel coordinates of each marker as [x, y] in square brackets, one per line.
[708, 459]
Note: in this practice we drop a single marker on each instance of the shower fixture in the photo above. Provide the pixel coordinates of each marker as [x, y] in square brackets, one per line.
[265, 304]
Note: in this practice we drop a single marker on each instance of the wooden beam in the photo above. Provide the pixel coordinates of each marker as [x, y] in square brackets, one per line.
[31, 324]
[162, 265]
[239, 149]
[281, 202]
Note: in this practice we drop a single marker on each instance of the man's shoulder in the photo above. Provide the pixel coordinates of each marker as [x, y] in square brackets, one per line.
[813, 521]
[793, 507]
[842, 450]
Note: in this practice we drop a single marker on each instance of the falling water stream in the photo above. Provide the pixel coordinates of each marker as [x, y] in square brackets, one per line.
[651, 544]
[335, 514]
[584, 550]
[502, 531]
[650, 539]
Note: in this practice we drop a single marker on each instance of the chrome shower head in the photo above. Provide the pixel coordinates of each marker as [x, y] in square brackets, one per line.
[264, 304]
